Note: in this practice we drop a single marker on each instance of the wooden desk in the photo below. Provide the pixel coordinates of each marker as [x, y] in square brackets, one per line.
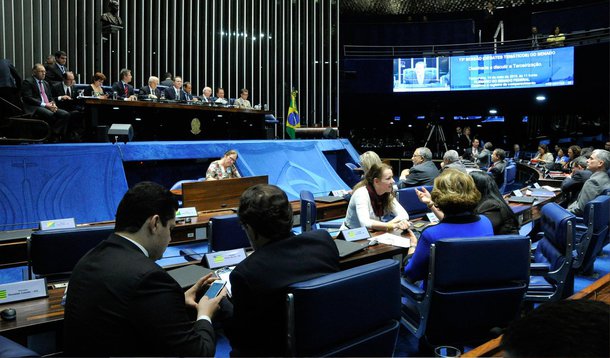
[175, 121]
[597, 291]
[218, 194]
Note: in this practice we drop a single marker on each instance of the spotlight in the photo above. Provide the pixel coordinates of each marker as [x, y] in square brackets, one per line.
[493, 111]
[540, 98]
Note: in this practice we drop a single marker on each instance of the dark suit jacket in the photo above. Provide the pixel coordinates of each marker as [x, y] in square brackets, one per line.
[145, 91]
[120, 90]
[421, 174]
[571, 186]
[9, 78]
[121, 303]
[170, 93]
[54, 73]
[501, 216]
[497, 171]
[30, 94]
[258, 284]
[464, 144]
[58, 90]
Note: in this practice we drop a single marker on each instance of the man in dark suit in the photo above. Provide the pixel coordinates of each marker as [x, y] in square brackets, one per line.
[56, 71]
[121, 303]
[168, 81]
[572, 185]
[188, 92]
[498, 166]
[258, 284]
[122, 88]
[64, 91]
[175, 92]
[517, 154]
[10, 86]
[37, 99]
[423, 171]
[151, 91]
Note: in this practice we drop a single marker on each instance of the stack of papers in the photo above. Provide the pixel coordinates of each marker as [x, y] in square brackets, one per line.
[391, 239]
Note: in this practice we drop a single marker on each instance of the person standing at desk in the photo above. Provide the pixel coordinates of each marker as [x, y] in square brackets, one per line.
[258, 283]
[223, 168]
[121, 303]
[373, 201]
[242, 101]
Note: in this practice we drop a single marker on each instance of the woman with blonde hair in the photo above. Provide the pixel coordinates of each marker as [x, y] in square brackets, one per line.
[456, 195]
[223, 168]
[367, 159]
[373, 202]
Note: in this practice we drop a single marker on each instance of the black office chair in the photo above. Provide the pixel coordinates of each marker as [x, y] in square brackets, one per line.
[54, 253]
[334, 315]
[225, 233]
[473, 286]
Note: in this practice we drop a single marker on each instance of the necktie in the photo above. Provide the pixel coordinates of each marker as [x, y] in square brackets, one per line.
[63, 70]
[45, 99]
[68, 91]
[126, 89]
[177, 94]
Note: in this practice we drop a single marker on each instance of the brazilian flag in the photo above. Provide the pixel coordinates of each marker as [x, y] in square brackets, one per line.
[293, 121]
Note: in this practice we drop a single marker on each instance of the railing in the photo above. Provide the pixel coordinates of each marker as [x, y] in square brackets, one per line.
[576, 38]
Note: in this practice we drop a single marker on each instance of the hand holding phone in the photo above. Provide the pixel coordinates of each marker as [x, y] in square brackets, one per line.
[215, 288]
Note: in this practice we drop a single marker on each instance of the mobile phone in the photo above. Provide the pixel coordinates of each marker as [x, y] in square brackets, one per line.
[215, 288]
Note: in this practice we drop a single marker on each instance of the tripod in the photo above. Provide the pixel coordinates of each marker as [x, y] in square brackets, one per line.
[439, 137]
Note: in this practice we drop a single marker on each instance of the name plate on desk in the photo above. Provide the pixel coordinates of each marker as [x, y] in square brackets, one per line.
[186, 212]
[359, 233]
[57, 224]
[225, 258]
[23, 290]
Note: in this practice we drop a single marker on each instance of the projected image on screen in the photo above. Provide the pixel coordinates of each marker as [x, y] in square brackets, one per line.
[421, 74]
[539, 68]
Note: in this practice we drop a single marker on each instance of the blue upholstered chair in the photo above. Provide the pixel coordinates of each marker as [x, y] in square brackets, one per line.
[591, 232]
[410, 202]
[178, 184]
[334, 316]
[510, 173]
[551, 269]
[10, 349]
[473, 285]
[54, 253]
[309, 214]
[225, 233]
[355, 174]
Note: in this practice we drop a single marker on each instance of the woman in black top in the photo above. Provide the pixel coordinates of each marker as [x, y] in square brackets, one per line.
[493, 206]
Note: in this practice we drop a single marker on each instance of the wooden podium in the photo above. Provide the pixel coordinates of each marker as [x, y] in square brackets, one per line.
[216, 195]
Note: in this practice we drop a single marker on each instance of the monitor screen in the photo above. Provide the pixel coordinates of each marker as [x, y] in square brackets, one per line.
[525, 69]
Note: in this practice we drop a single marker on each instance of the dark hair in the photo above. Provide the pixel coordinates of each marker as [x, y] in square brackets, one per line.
[566, 328]
[243, 90]
[500, 153]
[141, 202]
[266, 209]
[544, 147]
[65, 75]
[98, 76]
[60, 53]
[575, 150]
[486, 185]
[124, 72]
[376, 172]
[167, 75]
[488, 145]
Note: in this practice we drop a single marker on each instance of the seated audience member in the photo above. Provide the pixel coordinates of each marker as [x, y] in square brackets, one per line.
[498, 166]
[242, 101]
[598, 163]
[373, 200]
[566, 328]
[37, 99]
[423, 171]
[207, 95]
[471, 153]
[151, 91]
[168, 80]
[561, 157]
[95, 89]
[64, 93]
[56, 70]
[220, 96]
[188, 92]
[258, 284]
[175, 92]
[122, 88]
[556, 39]
[483, 158]
[517, 155]
[50, 61]
[121, 303]
[367, 160]
[223, 168]
[572, 185]
[456, 196]
[543, 154]
[451, 160]
[493, 205]
[573, 153]
[64, 90]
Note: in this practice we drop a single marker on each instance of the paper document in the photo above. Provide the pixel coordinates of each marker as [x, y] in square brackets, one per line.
[391, 239]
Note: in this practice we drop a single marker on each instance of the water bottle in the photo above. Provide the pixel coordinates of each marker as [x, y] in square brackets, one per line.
[114, 95]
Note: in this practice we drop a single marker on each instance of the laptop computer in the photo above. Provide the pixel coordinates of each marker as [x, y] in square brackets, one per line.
[347, 248]
[522, 199]
[186, 276]
[328, 199]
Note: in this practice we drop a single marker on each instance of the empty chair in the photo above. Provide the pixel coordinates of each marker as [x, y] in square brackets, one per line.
[407, 197]
[591, 234]
[225, 233]
[355, 174]
[510, 173]
[178, 184]
[308, 213]
[473, 285]
[354, 312]
[552, 276]
[54, 253]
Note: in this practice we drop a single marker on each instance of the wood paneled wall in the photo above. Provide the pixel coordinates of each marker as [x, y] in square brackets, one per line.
[267, 46]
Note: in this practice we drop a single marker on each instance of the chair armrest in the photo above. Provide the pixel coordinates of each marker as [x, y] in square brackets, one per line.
[411, 290]
[539, 269]
[579, 220]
